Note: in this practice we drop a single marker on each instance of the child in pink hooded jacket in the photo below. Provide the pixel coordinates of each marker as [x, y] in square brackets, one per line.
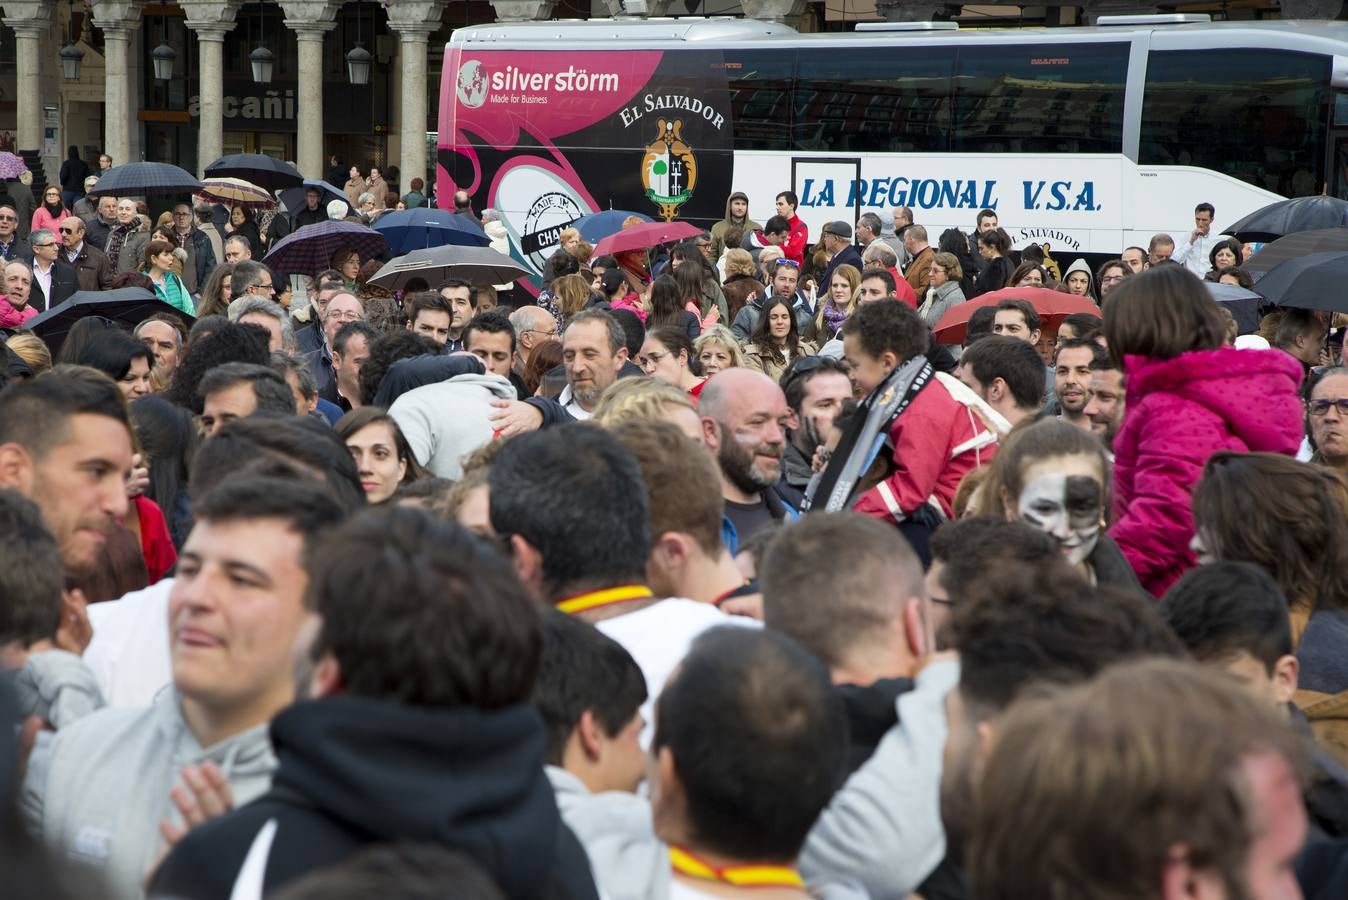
[1188, 396]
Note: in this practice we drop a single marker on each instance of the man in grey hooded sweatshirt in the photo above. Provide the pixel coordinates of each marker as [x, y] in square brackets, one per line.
[101, 788]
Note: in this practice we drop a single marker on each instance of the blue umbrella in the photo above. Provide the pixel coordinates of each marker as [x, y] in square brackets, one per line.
[293, 198]
[144, 178]
[419, 229]
[309, 250]
[597, 226]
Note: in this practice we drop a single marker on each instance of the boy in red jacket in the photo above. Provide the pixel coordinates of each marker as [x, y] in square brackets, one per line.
[799, 236]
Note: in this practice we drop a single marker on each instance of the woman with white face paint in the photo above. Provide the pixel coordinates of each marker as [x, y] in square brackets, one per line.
[1055, 477]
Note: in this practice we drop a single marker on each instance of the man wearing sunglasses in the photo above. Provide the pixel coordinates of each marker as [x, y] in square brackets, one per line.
[1327, 419]
[91, 264]
[12, 246]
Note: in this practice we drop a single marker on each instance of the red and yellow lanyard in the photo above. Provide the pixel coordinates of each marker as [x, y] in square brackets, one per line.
[751, 875]
[607, 597]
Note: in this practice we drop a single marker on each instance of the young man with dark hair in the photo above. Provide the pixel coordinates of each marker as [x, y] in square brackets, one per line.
[1107, 401]
[431, 315]
[798, 234]
[350, 348]
[1156, 780]
[775, 233]
[491, 338]
[689, 557]
[1194, 254]
[1019, 626]
[1017, 319]
[1006, 373]
[239, 390]
[1233, 616]
[815, 388]
[873, 636]
[102, 785]
[462, 301]
[931, 436]
[589, 692]
[738, 784]
[65, 444]
[1072, 362]
[427, 740]
[587, 550]
[963, 549]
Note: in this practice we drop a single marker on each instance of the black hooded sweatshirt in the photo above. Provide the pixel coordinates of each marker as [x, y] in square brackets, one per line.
[355, 771]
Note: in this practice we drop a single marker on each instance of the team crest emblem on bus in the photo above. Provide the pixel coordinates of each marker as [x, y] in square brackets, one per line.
[669, 169]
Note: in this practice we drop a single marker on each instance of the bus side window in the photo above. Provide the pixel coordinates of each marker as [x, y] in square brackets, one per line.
[893, 100]
[1257, 114]
[759, 82]
[1049, 98]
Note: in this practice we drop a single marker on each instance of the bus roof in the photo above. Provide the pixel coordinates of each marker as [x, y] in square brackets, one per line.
[750, 32]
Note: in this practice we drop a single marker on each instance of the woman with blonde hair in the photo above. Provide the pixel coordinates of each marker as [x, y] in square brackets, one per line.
[716, 350]
[741, 283]
[572, 293]
[840, 303]
[647, 399]
[31, 349]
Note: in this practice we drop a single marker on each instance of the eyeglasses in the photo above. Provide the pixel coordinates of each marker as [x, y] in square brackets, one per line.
[44, 246]
[552, 333]
[67, 230]
[804, 365]
[9, 218]
[787, 262]
[1320, 408]
[1110, 279]
[181, 215]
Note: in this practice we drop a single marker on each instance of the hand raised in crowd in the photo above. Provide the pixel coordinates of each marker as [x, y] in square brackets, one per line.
[514, 417]
[139, 479]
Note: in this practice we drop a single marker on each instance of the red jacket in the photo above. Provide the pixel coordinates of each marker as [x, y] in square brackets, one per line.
[934, 444]
[1179, 412]
[794, 248]
[156, 545]
[902, 289]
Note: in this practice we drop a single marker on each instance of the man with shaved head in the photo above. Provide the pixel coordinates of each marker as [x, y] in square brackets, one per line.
[744, 415]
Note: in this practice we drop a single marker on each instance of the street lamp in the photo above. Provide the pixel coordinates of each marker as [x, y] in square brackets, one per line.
[262, 61]
[71, 57]
[163, 57]
[358, 65]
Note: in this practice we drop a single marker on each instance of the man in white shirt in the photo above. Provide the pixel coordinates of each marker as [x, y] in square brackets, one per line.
[594, 349]
[1193, 253]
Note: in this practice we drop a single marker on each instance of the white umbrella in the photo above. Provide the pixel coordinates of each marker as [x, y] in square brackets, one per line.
[475, 265]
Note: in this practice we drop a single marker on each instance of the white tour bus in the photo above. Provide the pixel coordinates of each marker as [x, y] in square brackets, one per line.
[1088, 139]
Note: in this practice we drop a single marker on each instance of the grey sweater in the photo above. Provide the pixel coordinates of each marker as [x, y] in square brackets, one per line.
[100, 787]
[58, 687]
[883, 828]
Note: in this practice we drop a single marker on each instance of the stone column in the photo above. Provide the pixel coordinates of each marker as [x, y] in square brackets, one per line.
[311, 20]
[31, 22]
[211, 20]
[118, 20]
[414, 21]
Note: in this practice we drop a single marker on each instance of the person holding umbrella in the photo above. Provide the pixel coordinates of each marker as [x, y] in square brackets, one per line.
[167, 286]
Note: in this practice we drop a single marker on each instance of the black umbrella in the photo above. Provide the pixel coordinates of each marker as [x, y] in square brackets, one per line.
[1290, 216]
[1315, 281]
[145, 178]
[127, 307]
[1293, 246]
[260, 169]
[1243, 304]
[293, 198]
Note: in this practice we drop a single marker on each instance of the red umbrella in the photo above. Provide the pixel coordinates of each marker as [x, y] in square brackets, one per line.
[1052, 306]
[647, 234]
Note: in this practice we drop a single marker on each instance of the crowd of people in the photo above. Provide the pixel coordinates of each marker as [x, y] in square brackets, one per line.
[715, 570]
